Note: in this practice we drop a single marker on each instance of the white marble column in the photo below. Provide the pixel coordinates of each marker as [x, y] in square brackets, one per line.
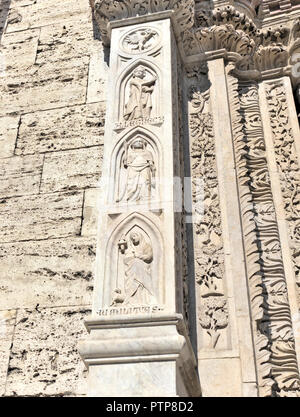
[138, 343]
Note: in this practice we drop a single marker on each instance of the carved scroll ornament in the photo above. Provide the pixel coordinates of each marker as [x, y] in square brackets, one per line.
[209, 265]
[278, 373]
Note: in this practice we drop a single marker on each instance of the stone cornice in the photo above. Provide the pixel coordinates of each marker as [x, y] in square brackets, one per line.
[106, 11]
[202, 32]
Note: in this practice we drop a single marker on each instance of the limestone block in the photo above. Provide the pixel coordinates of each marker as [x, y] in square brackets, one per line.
[4, 9]
[91, 209]
[47, 12]
[64, 40]
[44, 359]
[19, 50]
[20, 175]
[67, 170]
[46, 86]
[40, 216]
[58, 271]
[66, 128]
[220, 377]
[8, 135]
[7, 322]
[98, 74]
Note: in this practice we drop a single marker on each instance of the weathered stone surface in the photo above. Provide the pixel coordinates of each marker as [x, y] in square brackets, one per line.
[7, 322]
[57, 272]
[64, 40]
[91, 210]
[8, 135]
[19, 50]
[44, 359]
[59, 129]
[46, 86]
[40, 216]
[98, 73]
[20, 175]
[47, 12]
[67, 170]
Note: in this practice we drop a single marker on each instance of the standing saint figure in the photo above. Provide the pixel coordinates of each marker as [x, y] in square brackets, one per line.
[138, 288]
[139, 104]
[139, 163]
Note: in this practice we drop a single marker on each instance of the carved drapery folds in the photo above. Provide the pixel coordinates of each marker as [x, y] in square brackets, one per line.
[288, 166]
[277, 367]
[209, 252]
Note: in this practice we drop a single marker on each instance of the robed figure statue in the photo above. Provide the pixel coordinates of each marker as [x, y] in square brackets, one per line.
[138, 257]
[139, 104]
[140, 167]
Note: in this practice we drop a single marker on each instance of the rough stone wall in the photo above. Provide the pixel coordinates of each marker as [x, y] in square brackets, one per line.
[52, 105]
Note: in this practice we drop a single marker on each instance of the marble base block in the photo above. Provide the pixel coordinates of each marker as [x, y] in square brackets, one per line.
[139, 356]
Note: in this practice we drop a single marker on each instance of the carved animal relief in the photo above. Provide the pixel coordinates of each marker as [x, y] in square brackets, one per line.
[140, 41]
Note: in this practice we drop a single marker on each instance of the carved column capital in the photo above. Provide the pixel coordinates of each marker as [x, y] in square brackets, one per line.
[107, 11]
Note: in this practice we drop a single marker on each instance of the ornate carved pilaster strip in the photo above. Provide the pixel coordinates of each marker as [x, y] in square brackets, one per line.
[288, 166]
[209, 250]
[277, 367]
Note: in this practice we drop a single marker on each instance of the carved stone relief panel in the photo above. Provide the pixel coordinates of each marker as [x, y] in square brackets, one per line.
[277, 368]
[139, 99]
[143, 40]
[135, 168]
[288, 166]
[208, 242]
[134, 280]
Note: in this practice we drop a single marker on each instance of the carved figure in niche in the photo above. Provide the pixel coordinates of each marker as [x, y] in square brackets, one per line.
[139, 163]
[139, 104]
[140, 40]
[138, 257]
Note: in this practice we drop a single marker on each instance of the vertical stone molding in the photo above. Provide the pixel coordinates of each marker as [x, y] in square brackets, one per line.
[276, 358]
[139, 296]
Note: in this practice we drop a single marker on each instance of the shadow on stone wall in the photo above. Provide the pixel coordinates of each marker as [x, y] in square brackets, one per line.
[4, 11]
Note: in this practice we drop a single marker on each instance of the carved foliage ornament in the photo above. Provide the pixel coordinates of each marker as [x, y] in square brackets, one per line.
[288, 165]
[278, 373]
[209, 266]
[109, 10]
[207, 31]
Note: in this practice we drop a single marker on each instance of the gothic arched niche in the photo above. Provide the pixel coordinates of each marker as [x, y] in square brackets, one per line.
[139, 90]
[136, 168]
[134, 264]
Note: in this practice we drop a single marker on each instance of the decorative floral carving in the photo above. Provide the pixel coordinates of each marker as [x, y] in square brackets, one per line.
[109, 10]
[213, 316]
[288, 165]
[209, 253]
[278, 373]
[205, 31]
